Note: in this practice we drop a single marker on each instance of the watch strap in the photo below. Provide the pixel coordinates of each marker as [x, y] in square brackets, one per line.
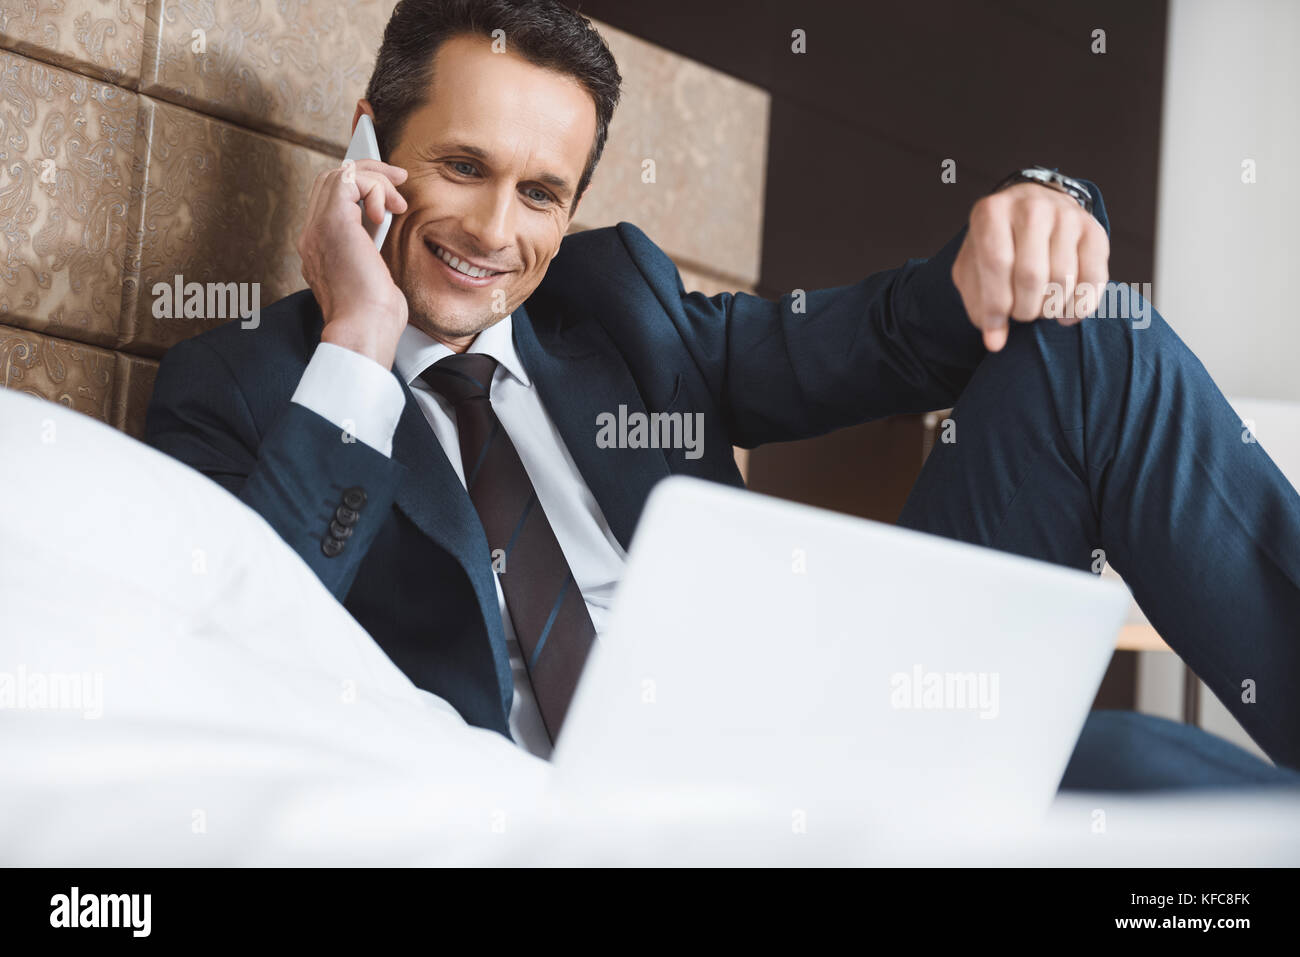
[1052, 179]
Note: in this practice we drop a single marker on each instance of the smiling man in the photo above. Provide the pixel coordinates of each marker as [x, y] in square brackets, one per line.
[487, 173]
[423, 426]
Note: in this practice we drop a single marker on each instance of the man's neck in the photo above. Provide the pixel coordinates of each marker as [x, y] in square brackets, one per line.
[456, 344]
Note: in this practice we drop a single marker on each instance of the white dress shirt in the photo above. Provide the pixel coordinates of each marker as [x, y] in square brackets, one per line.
[357, 394]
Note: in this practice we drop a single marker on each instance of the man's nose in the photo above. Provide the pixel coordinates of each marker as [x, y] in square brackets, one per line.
[488, 219]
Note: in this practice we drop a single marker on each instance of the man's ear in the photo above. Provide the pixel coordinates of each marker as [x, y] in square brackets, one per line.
[363, 106]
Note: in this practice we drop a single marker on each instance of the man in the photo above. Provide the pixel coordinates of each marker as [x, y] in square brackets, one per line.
[422, 425]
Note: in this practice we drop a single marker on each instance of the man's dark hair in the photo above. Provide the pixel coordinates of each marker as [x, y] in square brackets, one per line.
[544, 32]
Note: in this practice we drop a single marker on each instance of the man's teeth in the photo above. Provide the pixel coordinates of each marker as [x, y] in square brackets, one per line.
[455, 263]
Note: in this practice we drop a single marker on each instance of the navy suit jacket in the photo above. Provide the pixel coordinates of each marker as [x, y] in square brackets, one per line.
[609, 325]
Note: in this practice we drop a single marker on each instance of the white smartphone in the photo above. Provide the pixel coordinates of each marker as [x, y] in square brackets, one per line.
[365, 145]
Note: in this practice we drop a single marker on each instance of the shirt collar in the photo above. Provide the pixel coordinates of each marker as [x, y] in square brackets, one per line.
[416, 351]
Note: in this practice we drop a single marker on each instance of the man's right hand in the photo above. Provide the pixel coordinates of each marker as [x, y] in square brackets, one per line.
[363, 309]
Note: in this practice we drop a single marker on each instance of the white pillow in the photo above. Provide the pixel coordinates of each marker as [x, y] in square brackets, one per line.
[242, 714]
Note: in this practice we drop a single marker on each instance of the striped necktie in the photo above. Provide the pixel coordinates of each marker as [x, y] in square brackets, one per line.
[545, 604]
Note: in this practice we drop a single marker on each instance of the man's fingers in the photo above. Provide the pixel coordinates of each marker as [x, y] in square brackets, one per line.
[1029, 253]
[373, 200]
[995, 339]
[376, 192]
[364, 181]
[395, 173]
[390, 197]
[1094, 252]
[994, 255]
[1032, 235]
[317, 187]
[1064, 272]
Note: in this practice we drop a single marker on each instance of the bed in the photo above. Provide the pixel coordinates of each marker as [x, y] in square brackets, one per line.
[177, 688]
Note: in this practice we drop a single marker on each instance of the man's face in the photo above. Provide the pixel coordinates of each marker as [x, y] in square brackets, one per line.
[493, 158]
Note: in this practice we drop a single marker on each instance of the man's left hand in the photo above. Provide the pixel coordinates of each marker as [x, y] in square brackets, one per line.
[1021, 240]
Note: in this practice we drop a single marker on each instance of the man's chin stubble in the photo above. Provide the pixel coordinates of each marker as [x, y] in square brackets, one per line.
[422, 318]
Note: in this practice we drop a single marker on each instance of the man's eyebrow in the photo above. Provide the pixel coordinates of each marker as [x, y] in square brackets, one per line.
[550, 179]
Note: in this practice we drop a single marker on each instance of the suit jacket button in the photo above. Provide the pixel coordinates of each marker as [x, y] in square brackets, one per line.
[331, 546]
[346, 516]
[339, 530]
[354, 497]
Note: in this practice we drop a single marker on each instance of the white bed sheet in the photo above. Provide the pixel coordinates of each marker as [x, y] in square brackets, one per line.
[246, 718]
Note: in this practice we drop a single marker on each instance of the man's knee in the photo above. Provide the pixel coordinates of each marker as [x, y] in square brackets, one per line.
[1127, 302]
[1116, 351]
[1125, 329]
[1127, 320]
[1124, 311]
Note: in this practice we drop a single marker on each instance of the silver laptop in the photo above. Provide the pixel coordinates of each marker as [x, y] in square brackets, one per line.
[812, 663]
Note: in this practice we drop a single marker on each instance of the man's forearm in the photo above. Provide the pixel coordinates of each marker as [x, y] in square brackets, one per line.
[296, 476]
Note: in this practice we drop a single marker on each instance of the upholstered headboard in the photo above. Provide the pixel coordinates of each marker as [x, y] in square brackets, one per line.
[141, 140]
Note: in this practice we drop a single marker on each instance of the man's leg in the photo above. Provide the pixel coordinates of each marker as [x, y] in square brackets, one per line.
[1127, 751]
[1107, 435]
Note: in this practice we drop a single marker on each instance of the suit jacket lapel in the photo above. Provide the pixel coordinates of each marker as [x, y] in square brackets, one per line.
[580, 375]
[432, 497]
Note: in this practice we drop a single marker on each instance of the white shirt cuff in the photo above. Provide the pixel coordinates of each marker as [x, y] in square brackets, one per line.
[355, 393]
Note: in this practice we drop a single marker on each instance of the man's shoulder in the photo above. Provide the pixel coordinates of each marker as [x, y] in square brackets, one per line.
[287, 331]
[624, 237]
[619, 254]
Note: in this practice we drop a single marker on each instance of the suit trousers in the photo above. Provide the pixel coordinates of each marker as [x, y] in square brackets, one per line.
[1108, 440]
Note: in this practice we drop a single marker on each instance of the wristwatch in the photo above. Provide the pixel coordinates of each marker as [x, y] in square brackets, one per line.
[1052, 180]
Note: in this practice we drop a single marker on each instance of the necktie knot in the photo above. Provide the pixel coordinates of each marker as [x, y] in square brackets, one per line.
[458, 378]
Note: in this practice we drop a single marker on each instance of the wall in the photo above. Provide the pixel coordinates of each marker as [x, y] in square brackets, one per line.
[145, 139]
[1227, 250]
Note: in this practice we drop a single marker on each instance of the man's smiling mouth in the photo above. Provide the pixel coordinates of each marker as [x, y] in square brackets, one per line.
[462, 266]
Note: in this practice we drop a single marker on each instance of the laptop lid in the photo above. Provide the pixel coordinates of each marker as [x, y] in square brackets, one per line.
[827, 665]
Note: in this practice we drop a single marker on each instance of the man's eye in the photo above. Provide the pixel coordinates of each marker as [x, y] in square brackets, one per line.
[465, 169]
[539, 195]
